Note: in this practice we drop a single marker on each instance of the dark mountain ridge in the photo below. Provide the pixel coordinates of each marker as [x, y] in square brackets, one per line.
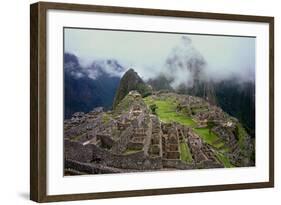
[81, 92]
[85, 89]
[130, 81]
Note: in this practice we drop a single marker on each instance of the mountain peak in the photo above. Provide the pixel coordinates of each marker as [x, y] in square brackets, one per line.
[131, 81]
[130, 70]
[132, 74]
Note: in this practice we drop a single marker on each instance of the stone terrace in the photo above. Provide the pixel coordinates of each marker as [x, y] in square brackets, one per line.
[105, 142]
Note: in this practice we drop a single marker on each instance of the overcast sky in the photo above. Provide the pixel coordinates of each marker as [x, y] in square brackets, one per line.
[147, 53]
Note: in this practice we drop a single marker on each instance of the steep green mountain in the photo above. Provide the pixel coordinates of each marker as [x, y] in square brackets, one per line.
[131, 81]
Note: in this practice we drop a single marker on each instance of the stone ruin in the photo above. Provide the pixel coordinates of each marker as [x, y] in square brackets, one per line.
[136, 140]
[202, 153]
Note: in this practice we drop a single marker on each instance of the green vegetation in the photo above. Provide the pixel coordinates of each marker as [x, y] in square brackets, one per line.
[186, 111]
[210, 125]
[124, 104]
[153, 108]
[167, 112]
[105, 118]
[209, 137]
[241, 132]
[143, 89]
[130, 81]
[185, 154]
[223, 159]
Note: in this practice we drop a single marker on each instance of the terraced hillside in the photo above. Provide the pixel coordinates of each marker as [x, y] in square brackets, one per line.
[159, 132]
[228, 138]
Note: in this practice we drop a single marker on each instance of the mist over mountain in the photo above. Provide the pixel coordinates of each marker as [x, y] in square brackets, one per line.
[86, 88]
[161, 82]
[219, 57]
[220, 69]
[185, 66]
[187, 72]
[98, 67]
[97, 85]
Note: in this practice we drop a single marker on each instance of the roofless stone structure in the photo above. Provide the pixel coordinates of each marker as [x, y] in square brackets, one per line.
[131, 138]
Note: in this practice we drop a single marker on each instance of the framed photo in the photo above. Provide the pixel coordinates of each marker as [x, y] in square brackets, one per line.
[134, 102]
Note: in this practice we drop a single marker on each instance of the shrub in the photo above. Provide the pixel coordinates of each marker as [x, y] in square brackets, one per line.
[153, 108]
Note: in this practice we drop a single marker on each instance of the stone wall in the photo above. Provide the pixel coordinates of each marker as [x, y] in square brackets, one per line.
[90, 168]
[77, 151]
[208, 164]
[121, 145]
[176, 163]
[106, 141]
[92, 153]
[135, 161]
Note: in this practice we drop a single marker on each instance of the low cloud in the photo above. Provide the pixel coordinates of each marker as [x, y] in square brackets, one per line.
[184, 64]
[179, 57]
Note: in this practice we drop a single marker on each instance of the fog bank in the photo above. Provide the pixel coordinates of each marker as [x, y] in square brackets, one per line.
[178, 56]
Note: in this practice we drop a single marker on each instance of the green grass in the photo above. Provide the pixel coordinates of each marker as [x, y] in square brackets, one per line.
[219, 145]
[185, 154]
[209, 137]
[224, 160]
[223, 149]
[166, 111]
[241, 135]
